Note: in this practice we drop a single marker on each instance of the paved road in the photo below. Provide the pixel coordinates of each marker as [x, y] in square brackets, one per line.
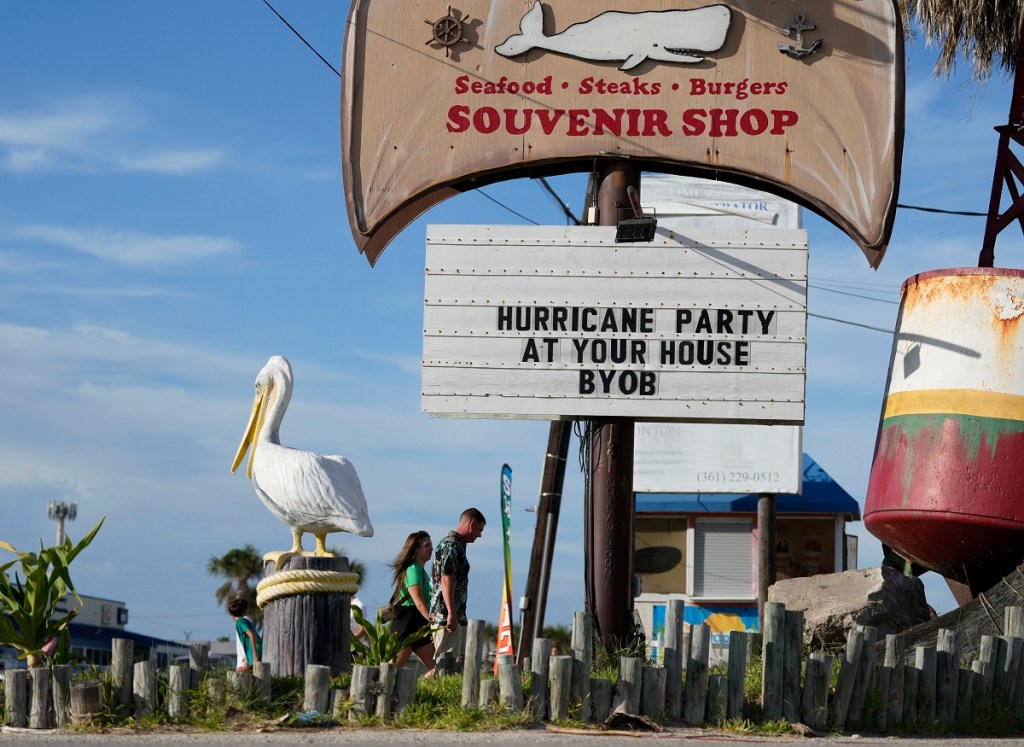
[533, 737]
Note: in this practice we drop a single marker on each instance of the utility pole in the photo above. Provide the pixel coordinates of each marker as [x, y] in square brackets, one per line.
[59, 510]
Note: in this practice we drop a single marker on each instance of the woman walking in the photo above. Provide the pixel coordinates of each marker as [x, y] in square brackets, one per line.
[411, 599]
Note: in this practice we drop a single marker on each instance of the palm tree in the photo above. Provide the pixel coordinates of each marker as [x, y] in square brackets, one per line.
[986, 33]
[241, 567]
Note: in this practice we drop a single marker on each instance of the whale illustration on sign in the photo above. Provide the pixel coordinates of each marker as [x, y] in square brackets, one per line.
[662, 35]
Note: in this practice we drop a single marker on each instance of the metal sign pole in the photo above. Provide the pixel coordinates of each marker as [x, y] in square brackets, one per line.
[611, 478]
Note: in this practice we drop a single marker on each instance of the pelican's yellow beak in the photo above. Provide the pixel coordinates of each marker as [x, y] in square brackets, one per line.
[251, 431]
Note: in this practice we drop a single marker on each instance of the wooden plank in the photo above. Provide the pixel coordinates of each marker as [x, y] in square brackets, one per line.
[847, 677]
[697, 675]
[263, 672]
[674, 655]
[471, 668]
[737, 673]
[792, 655]
[772, 658]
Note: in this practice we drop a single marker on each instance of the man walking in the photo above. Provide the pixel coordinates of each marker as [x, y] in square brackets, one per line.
[450, 583]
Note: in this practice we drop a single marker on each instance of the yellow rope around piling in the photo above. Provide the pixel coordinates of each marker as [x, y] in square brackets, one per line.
[304, 582]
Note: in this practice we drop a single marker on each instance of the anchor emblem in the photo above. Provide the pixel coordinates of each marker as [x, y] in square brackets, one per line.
[799, 51]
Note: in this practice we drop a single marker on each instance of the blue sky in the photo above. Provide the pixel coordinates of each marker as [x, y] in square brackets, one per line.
[172, 214]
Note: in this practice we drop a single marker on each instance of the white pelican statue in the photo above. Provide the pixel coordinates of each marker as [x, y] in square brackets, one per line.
[309, 492]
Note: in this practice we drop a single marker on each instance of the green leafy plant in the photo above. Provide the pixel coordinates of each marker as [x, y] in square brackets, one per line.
[383, 644]
[28, 610]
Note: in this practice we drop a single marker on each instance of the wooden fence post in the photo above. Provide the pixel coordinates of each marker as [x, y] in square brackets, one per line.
[539, 663]
[911, 675]
[198, 662]
[947, 670]
[144, 688]
[178, 685]
[772, 652]
[925, 665]
[510, 687]
[471, 667]
[360, 691]
[61, 694]
[405, 688]
[815, 699]
[718, 695]
[263, 671]
[652, 691]
[488, 693]
[39, 698]
[560, 686]
[1013, 622]
[601, 693]
[583, 651]
[987, 656]
[894, 663]
[674, 654]
[964, 694]
[318, 686]
[865, 680]
[630, 685]
[387, 675]
[737, 673]
[847, 677]
[792, 655]
[86, 701]
[122, 657]
[697, 674]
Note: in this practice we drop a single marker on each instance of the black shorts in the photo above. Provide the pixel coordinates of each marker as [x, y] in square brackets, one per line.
[407, 621]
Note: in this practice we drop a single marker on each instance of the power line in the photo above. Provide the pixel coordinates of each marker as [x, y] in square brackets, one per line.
[944, 212]
[854, 295]
[301, 37]
[558, 200]
[501, 204]
[852, 324]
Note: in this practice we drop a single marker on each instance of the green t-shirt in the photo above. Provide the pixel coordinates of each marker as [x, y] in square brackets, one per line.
[414, 575]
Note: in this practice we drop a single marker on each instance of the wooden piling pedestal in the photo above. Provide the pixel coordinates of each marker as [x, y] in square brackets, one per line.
[307, 627]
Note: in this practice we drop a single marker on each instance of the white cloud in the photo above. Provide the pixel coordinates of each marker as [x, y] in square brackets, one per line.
[132, 247]
[91, 134]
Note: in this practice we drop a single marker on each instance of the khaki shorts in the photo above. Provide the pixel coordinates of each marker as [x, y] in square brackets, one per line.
[448, 641]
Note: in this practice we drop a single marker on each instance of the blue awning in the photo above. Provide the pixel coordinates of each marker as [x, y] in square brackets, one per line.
[822, 495]
[93, 636]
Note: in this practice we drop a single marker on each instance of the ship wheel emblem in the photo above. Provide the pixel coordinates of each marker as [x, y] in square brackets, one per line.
[448, 31]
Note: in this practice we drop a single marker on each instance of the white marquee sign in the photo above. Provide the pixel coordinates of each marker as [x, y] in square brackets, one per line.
[542, 322]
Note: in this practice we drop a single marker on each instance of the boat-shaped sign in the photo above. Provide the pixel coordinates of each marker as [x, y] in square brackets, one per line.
[804, 100]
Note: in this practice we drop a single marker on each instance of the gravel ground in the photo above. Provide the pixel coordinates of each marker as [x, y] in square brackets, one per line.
[536, 737]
